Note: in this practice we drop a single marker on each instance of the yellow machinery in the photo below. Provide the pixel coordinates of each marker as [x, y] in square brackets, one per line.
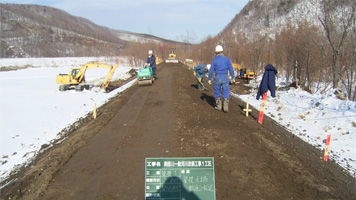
[76, 77]
[243, 72]
[158, 61]
[172, 56]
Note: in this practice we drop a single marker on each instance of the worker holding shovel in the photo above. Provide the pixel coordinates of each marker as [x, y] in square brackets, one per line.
[199, 72]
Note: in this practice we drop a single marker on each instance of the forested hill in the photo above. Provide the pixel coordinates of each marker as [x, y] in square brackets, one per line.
[311, 42]
[42, 31]
[270, 17]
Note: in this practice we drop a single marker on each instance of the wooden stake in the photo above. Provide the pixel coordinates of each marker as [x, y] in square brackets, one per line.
[94, 112]
[262, 111]
[326, 153]
[247, 110]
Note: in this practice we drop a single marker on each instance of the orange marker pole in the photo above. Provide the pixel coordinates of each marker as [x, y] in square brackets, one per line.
[262, 111]
[326, 153]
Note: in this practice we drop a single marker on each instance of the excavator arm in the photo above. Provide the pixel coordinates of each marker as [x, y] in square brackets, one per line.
[109, 77]
[81, 73]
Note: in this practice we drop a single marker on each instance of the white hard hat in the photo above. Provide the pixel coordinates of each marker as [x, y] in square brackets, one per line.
[219, 48]
[208, 66]
[150, 52]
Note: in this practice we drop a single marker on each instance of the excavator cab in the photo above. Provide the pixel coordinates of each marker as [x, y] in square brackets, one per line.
[75, 72]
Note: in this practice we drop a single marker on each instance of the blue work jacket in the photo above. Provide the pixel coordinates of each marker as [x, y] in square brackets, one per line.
[152, 61]
[268, 82]
[200, 70]
[221, 65]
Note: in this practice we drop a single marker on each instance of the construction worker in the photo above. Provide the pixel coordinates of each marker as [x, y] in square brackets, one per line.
[199, 72]
[221, 65]
[151, 59]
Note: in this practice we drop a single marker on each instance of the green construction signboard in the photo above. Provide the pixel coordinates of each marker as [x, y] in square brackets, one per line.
[179, 179]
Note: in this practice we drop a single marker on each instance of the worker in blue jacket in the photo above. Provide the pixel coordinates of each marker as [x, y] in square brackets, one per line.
[151, 59]
[268, 82]
[221, 65]
[199, 72]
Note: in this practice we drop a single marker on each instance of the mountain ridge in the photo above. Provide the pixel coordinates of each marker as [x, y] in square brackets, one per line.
[42, 31]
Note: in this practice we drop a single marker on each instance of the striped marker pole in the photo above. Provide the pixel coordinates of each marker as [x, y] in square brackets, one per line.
[326, 154]
[262, 111]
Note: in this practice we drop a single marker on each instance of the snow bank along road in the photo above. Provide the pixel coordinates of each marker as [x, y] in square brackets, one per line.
[33, 111]
[104, 159]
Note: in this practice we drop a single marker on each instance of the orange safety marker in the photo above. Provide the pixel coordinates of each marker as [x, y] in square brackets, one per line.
[247, 110]
[262, 111]
[326, 154]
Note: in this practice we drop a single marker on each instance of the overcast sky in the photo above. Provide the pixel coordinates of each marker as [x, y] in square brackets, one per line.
[170, 19]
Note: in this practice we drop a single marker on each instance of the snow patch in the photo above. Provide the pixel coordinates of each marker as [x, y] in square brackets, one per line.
[312, 117]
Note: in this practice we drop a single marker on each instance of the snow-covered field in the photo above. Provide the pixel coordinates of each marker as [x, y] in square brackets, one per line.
[57, 62]
[33, 111]
[312, 117]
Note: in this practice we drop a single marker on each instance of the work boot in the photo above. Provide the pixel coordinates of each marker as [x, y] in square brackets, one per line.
[226, 105]
[218, 103]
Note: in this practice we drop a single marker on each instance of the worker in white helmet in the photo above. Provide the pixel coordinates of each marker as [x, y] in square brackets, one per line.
[151, 60]
[221, 65]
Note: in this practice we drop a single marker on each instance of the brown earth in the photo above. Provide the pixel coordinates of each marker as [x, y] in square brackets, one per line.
[105, 158]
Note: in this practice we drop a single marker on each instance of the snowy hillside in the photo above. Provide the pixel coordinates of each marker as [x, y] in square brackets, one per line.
[41, 31]
[32, 110]
[270, 17]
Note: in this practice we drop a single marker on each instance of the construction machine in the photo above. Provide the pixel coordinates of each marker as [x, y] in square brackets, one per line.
[172, 56]
[145, 75]
[243, 73]
[76, 77]
[158, 60]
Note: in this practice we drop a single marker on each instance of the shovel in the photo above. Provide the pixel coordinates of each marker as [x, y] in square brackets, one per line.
[199, 79]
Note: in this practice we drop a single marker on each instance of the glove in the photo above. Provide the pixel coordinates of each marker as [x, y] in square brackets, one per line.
[194, 73]
[232, 81]
[209, 82]
[199, 79]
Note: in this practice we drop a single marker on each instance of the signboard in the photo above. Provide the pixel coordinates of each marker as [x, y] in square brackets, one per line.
[179, 179]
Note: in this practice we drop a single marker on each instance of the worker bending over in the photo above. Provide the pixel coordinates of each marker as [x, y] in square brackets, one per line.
[221, 65]
[199, 72]
[151, 59]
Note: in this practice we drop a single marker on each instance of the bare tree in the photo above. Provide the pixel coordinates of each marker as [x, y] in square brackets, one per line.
[337, 30]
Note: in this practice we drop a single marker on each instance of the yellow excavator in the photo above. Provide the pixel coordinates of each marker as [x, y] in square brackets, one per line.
[244, 73]
[76, 77]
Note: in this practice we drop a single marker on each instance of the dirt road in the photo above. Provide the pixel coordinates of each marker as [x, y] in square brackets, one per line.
[104, 159]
